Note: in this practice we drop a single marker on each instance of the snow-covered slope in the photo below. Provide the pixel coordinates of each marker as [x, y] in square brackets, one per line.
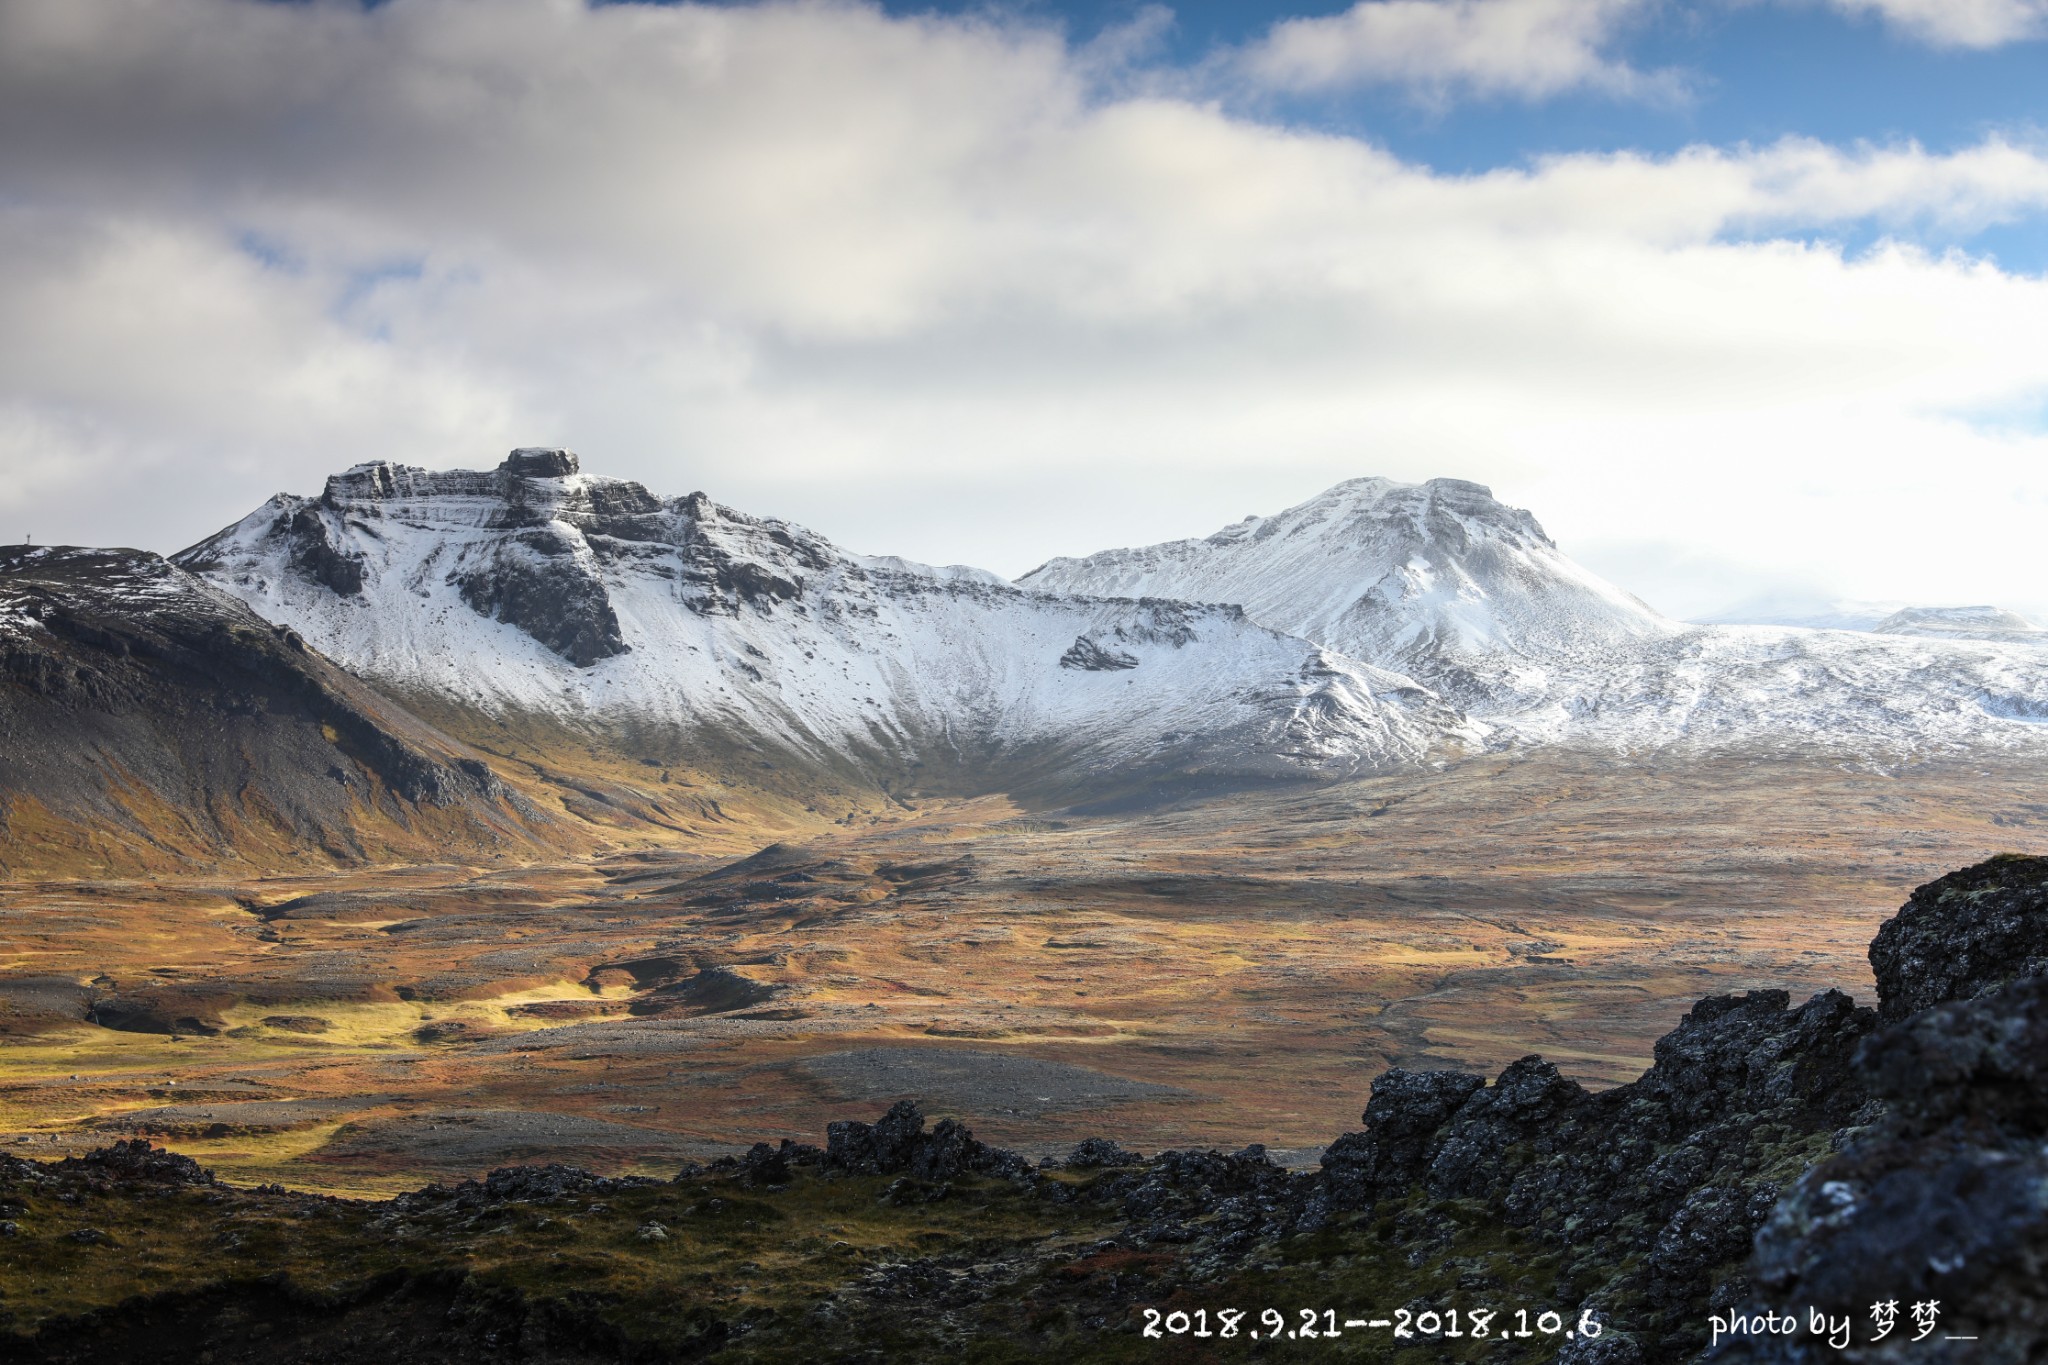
[1445, 584]
[536, 587]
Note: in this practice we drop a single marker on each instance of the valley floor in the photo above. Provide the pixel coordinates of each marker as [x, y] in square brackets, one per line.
[1216, 971]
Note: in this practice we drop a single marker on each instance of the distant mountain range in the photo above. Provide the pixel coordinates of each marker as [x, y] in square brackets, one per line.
[1375, 627]
[1962, 623]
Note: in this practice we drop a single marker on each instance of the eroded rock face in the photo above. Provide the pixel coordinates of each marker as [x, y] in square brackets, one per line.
[539, 583]
[1971, 930]
[315, 556]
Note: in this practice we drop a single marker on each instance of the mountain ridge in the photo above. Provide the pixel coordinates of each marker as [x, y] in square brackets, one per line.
[536, 586]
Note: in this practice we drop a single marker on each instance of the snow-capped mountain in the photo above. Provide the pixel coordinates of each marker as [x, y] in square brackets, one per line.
[534, 587]
[1437, 580]
[1447, 585]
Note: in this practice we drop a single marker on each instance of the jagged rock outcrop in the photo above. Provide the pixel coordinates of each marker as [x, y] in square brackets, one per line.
[1094, 1153]
[133, 1161]
[1403, 1115]
[897, 1144]
[1657, 1193]
[1651, 1191]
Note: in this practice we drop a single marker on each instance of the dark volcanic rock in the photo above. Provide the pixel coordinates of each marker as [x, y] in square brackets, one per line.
[1403, 1115]
[897, 1143]
[1525, 1105]
[1971, 930]
[137, 1161]
[879, 1148]
[1945, 1199]
[541, 462]
[1661, 1199]
[1093, 1153]
[1654, 1189]
[765, 1165]
[542, 1184]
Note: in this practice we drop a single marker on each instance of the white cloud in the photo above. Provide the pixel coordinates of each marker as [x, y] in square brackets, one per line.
[1528, 49]
[922, 284]
[1958, 23]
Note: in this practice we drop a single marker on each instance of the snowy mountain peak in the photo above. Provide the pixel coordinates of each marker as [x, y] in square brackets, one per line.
[1439, 580]
[1441, 511]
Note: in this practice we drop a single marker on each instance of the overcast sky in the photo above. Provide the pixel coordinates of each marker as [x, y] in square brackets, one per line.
[1740, 297]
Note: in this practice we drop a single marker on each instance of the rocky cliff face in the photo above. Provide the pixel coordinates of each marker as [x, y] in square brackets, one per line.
[159, 720]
